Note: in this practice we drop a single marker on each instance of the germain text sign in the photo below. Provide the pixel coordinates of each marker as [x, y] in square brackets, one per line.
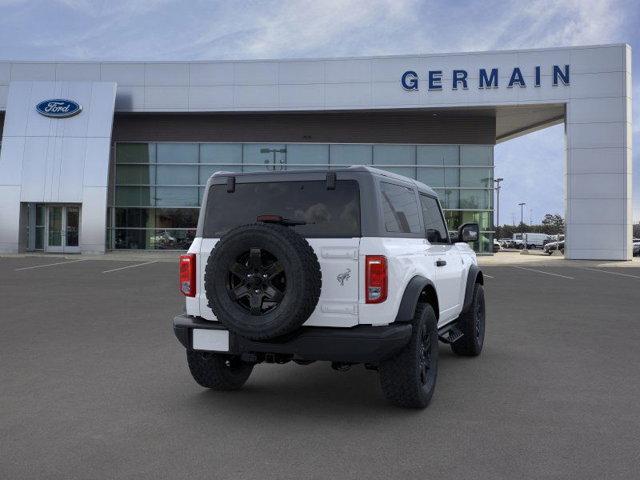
[487, 78]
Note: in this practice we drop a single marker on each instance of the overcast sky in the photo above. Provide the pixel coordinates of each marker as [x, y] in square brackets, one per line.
[532, 166]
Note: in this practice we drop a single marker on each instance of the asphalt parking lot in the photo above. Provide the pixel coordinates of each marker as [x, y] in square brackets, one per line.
[95, 385]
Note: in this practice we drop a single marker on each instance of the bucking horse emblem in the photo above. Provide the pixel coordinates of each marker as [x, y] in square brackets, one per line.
[344, 276]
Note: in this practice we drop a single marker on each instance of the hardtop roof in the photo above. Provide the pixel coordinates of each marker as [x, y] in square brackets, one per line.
[353, 168]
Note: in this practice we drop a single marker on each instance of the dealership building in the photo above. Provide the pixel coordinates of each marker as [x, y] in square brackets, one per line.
[99, 156]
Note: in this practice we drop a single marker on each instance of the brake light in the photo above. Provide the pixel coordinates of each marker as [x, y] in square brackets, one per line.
[376, 278]
[188, 274]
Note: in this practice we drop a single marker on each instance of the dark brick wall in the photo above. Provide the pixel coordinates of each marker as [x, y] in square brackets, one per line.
[318, 127]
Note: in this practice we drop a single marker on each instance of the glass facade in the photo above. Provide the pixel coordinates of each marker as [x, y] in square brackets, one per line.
[159, 186]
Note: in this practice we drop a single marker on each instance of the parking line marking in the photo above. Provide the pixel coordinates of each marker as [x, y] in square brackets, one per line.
[49, 265]
[545, 273]
[611, 273]
[488, 276]
[130, 266]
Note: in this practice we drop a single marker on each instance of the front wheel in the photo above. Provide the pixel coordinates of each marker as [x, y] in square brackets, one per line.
[218, 372]
[471, 323]
[409, 379]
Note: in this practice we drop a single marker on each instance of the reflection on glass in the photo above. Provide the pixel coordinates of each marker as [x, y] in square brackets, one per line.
[351, 154]
[178, 152]
[177, 175]
[55, 227]
[145, 180]
[455, 219]
[384, 156]
[177, 197]
[159, 239]
[134, 196]
[264, 157]
[438, 155]
[176, 217]
[476, 155]
[476, 177]
[73, 224]
[39, 238]
[135, 153]
[307, 157]
[433, 177]
[399, 208]
[451, 177]
[449, 198]
[221, 153]
[135, 175]
[476, 199]
[40, 216]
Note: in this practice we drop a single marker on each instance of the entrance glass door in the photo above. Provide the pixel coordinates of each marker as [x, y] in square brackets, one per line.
[72, 228]
[55, 231]
[63, 229]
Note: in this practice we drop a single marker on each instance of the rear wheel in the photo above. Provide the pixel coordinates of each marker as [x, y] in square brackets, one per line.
[218, 372]
[409, 379]
[471, 323]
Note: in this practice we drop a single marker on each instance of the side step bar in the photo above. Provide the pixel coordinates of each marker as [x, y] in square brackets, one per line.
[450, 333]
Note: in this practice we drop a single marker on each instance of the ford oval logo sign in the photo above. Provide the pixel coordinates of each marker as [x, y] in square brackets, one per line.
[58, 108]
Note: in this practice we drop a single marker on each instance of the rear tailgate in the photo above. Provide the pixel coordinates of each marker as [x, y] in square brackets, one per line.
[338, 303]
[326, 213]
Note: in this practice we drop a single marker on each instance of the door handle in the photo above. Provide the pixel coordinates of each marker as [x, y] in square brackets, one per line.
[441, 263]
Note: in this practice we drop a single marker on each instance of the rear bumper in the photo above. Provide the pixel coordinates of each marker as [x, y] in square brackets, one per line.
[360, 344]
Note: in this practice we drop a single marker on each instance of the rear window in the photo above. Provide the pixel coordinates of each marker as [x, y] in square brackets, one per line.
[327, 213]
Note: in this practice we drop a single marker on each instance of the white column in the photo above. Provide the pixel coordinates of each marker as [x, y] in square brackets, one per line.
[598, 206]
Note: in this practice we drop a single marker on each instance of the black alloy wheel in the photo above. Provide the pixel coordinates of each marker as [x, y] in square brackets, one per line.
[472, 324]
[262, 281]
[257, 281]
[478, 315]
[425, 356]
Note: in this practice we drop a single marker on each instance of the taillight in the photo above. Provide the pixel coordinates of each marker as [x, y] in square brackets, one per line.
[188, 274]
[376, 278]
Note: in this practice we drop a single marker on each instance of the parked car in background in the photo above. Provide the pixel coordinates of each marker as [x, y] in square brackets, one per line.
[553, 246]
[496, 246]
[555, 238]
[636, 247]
[532, 240]
[506, 242]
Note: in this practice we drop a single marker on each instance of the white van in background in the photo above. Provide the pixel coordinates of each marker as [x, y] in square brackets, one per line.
[531, 240]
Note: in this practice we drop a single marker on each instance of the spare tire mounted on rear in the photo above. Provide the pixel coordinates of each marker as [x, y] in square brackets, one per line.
[262, 280]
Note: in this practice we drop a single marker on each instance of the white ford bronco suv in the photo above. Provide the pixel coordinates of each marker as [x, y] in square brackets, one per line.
[352, 265]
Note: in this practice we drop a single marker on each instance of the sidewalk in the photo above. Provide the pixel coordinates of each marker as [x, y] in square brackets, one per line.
[536, 257]
[120, 256]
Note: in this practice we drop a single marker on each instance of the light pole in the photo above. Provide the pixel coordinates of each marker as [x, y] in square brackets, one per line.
[524, 240]
[522, 212]
[498, 187]
[274, 151]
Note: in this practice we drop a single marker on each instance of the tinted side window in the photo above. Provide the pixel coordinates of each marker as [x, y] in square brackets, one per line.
[434, 223]
[400, 209]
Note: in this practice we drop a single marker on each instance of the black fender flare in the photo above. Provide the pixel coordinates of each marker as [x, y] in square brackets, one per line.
[474, 276]
[411, 297]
